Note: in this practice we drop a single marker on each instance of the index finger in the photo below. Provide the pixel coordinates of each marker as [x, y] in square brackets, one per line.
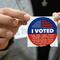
[7, 20]
[12, 12]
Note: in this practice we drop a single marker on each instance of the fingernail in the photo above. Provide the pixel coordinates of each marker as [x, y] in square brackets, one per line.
[27, 16]
[59, 22]
[16, 22]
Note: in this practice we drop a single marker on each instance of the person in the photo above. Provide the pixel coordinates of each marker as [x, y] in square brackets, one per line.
[45, 8]
[23, 52]
[10, 20]
[8, 17]
[41, 12]
[56, 55]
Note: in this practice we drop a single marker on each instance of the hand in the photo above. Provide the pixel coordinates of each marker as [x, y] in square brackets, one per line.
[10, 20]
[56, 17]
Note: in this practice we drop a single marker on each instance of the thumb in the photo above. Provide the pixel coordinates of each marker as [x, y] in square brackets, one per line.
[56, 16]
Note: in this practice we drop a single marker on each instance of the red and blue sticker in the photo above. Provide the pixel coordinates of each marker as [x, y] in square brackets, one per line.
[42, 31]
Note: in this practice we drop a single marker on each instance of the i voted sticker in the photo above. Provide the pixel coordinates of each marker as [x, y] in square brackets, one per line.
[42, 31]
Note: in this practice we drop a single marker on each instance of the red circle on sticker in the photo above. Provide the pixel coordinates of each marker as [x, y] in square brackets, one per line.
[42, 31]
